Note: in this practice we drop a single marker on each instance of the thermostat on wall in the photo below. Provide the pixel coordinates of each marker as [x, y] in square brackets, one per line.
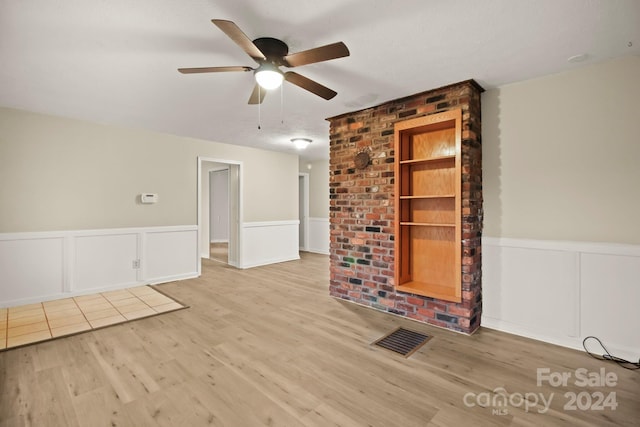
[149, 198]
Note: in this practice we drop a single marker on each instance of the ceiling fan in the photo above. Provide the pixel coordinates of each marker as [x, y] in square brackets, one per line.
[270, 54]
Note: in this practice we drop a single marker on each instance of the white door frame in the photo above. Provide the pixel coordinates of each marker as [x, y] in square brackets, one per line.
[238, 219]
[304, 221]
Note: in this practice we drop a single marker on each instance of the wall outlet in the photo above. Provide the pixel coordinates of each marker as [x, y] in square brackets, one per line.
[136, 264]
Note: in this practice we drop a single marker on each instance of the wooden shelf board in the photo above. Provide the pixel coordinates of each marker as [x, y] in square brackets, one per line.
[445, 293]
[431, 196]
[427, 160]
[426, 224]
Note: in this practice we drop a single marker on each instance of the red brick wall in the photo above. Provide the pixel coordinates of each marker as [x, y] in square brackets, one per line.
[362, 208]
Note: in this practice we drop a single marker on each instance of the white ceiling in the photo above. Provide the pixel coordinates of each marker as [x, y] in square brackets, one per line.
[115, 61]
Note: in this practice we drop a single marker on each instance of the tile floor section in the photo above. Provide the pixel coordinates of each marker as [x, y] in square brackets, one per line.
[31, 323]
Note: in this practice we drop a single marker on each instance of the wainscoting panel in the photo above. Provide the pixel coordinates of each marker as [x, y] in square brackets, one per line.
[269, 242]
[30, 266]
[103, 261]
[319, 235]
[561, 292]
[169, 254]
[610, 294]
[49, 265]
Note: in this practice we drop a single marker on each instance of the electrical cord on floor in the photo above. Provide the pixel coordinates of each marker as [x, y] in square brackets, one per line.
[608, 356]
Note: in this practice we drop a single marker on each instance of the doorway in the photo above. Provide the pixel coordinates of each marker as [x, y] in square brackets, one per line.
[220, 209]
[219, 214]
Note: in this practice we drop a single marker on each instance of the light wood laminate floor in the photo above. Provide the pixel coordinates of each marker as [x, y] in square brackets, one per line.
[219, 252]
[267, 346]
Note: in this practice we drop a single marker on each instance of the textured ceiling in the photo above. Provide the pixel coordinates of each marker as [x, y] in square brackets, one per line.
[116, 61]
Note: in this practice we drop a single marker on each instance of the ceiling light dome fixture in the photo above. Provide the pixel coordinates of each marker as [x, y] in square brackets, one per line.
[268, 76]
[301, 143]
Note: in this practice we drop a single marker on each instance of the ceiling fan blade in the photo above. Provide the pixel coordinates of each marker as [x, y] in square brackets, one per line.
[318, 54]
[240, 38]
[310, 85]
[213, 69]
[258, 94]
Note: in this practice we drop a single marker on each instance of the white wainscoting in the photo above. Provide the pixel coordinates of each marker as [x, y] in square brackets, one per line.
[31, 266]
[319, 235]
[42, 266]
[269, 242]
[562, 292]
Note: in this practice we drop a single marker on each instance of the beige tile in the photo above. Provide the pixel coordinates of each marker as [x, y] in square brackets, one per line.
[132, 307]
[125, 301]
[28, 338]
[156, 299]
[40, 321]
[66, 321]
[88, 298]
[142, 290]
[22, 321]
[56, 302]
[17, 314]
[27, 307]
[63, 313]
[70, 329]
[139, 313]
[167, 307]
[96, 307]
[116, 295]
[100, 314]
[59, 305]
[27, 329]
[106, 321]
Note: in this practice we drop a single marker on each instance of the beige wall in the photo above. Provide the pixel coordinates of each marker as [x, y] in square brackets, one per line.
[561, 155]
[318, 187]
[60, 174]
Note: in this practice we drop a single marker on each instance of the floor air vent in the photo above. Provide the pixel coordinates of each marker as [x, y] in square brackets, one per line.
[402, 341]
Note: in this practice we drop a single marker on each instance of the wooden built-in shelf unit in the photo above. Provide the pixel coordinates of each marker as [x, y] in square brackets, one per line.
[428, 205]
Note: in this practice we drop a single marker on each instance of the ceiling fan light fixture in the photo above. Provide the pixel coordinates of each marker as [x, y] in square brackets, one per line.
[301, 143]
[268, 76]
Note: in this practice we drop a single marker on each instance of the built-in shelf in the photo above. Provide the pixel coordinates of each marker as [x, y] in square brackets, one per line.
[428, 290]
[427, 160]
[429, 196]
[428, 202]
[427, 224]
